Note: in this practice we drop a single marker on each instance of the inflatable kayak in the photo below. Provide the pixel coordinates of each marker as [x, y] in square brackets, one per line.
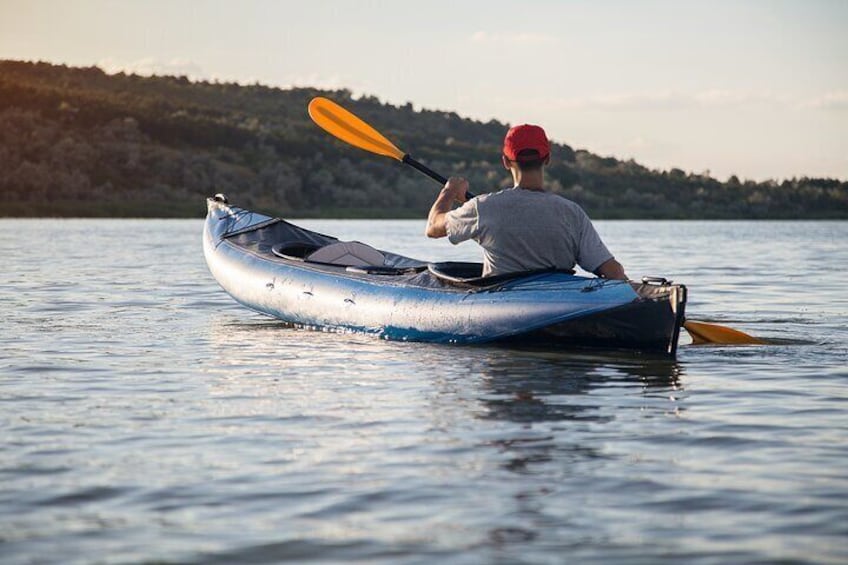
[317, 281]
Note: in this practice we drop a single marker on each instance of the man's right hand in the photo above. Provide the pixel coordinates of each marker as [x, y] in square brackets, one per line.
[455, 188]
[453, 191]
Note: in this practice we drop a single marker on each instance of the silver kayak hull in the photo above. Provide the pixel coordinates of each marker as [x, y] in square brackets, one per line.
[409, 300]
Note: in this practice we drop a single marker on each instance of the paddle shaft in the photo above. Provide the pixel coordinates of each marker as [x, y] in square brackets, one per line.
[351, 129]
[407, 160]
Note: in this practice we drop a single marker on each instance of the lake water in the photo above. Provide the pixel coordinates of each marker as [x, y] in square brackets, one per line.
[146, 417]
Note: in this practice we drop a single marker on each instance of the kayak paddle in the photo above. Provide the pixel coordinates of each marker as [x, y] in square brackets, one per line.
[703, 332]
[344, 125]
[351, 129]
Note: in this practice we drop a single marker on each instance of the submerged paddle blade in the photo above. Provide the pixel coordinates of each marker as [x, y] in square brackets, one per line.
[337, 121]
[703, 332]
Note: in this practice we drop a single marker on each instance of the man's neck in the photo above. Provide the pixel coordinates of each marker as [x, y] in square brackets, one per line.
[529, 180]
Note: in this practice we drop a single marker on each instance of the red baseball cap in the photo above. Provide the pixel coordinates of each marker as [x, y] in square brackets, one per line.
[526, 136]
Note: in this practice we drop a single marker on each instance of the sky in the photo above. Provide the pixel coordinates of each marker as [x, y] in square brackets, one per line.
[758, 89]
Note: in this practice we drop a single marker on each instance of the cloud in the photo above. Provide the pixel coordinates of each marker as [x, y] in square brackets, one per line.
[622, 101]
[724, 97]
[316, 80]
[151, 66]
[513, 39]
[667, 100]
[638, 143]
[661, 100]
[320, 81]
[836, 100]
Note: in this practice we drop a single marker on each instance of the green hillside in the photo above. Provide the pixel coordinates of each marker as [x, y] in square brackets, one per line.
[79, 142]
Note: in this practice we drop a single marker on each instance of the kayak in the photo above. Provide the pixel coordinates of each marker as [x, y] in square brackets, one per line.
[312, 280]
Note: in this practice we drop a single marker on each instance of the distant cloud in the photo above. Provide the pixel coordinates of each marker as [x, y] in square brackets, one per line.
[661, 100]
[725, 97]
[151, 66]
[638, 143]
[316, 80]
[332, 82]
[670, 100]
[517, 38]
[837, 100]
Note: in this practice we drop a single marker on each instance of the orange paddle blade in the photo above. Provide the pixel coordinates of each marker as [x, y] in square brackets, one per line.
[703, 332]
[337, 121]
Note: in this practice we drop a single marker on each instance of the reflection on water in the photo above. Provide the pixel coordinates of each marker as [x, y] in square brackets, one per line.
[533, 388]
[458, 424]
[541, 391]
[514, 384]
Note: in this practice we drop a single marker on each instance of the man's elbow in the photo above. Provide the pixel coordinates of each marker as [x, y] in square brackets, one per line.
[611, 269]
[435, 231]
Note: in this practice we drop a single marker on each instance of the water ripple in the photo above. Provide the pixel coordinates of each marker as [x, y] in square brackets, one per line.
[148, 418]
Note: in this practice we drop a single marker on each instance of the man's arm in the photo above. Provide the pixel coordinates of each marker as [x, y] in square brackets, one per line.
[611, 269]
[453, 191]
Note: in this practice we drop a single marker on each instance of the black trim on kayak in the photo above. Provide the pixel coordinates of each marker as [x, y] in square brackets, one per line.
[646, 325]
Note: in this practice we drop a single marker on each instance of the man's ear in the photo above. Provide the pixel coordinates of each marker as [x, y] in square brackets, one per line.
[505, 162]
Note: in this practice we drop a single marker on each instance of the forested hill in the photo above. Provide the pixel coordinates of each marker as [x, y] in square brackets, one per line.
[79, 142]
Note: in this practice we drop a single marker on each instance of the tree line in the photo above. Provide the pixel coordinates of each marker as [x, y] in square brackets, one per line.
[80, 142]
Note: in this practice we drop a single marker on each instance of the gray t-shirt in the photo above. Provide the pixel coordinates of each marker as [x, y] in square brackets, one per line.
[523, 230]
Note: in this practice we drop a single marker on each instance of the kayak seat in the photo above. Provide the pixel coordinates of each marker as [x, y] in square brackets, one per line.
[347, 254]
[297, 250]
[340, 253]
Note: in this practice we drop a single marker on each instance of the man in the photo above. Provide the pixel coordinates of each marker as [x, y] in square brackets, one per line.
[523, 228]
